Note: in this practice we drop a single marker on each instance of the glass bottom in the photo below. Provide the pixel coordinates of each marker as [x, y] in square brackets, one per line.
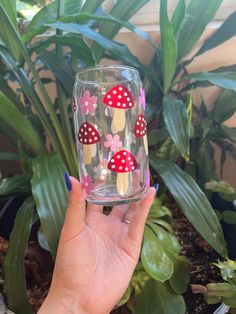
[111, 198]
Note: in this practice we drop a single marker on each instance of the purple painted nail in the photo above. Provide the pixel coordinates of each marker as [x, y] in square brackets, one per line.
[156, 186]
[68, 182]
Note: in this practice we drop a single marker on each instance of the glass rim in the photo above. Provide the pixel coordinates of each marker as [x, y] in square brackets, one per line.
[103, 67]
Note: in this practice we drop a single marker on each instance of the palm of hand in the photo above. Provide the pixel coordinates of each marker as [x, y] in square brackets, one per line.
[98, 261]
[97, 254]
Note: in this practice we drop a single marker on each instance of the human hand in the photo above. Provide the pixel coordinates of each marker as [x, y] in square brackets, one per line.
[96, 256]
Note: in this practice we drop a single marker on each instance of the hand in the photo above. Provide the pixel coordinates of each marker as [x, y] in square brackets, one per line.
[97, 255]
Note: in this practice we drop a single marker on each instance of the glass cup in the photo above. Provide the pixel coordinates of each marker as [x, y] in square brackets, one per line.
[111, 134]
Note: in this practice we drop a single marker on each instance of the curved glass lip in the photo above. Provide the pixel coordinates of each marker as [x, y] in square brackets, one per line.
[104, 67]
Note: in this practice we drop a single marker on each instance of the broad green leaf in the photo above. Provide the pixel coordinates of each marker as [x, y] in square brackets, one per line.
[154, 259]
[8, 156]
[225, 80]
[178, 15]
[115, 49]
[169, 242]
[10, 7]
[159, 298]
[177, 123]
[230, 301]
[192, 201]
[222, 34]
[221, 289]
[229, 132]
[156, 136]
[62, 71]
[168, 47]
[49, 13]
[18, 184]
[158, 211]
[198, 15]
[225, 106]
[14, 270]
[50, 195]
[76, 42]
[226, 191]
[91, 6]
[122, 10]
[10, 113]
[229, 217]
[180, 279]
[5, 32]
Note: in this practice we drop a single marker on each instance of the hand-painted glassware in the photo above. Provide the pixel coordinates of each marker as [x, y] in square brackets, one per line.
[111, 134]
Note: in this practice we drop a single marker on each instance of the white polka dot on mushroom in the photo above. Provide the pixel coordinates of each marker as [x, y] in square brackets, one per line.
[123, 161]
[124, 153]
[95, 138]
[90, 129]
[128, 99]
[110, 102]
[125, 94]
[133, 168]
[126, 169]
[120, 88]
[130, 104]
[118, 156]
[120, 167]
[85, 133]
[114, 92]
[119, 96]
[109, 96]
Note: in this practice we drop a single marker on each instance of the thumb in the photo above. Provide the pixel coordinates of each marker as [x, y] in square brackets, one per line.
[75, 214]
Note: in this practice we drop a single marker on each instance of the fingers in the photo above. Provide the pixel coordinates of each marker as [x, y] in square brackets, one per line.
[75, 214]
[93, 208]
[139, 217]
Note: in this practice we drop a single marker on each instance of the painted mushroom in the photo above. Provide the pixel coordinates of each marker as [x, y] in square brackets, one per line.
[122, 162]
[89, 137]
[120, 99]
[140, 130]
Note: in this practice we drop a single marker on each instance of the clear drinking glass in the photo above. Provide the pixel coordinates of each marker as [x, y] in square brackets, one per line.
[111, 134]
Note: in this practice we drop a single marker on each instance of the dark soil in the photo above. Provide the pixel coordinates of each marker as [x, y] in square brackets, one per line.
[39, 268]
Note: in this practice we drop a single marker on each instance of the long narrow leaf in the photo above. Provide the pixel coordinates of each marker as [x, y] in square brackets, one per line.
[192, 201]
[15, 285]
[91, 6]
[168, 47]
[176, 121]
[122, 10]
[18, 184]
[225, 106]
[178, 15]
[224, 33]
[198, 14]
[225, 80]
[10, 113]
[114, 48]
[50, 195]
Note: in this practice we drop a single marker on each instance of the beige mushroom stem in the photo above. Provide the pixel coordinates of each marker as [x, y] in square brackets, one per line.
[145, 142]
[93, 148]
[122, 182]
[118, 122]
[87, 154]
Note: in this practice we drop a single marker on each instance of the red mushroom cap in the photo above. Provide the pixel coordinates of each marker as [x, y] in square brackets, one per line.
[140, 126]
[88, 134]
[122, 161]
[119, 97]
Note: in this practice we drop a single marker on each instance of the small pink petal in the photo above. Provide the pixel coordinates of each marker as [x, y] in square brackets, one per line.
[116, 137]
[107, 144]
[109, 137]
[86, 94]
[119, 144]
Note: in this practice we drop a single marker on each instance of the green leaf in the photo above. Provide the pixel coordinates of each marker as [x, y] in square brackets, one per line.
[226, 191]
[229, 132]
[91, 6]
[76, 42]
[158, 211]
[222, 34]
[169, 242]
[154, 259]
[225, 106]
[50, 195]
[62, 71]
[8, 156]
[23, 127]
[180, 279]
[14, 271]
[198, 15]
[229, 217]
[177, 123]
[49, 13]
[10, 7]
[168, 47]
[225, 80]
[230, 301]
[5, 32]
[156, 136]
[19, 184]
[192, 201]
[122, 10]
[159, 298]
[178, 16]
[117, 50]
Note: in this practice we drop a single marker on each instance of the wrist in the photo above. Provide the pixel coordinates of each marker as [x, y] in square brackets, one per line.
[54, 304]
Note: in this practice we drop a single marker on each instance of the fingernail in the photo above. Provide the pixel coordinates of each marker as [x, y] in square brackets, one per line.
[156, 186]
[68, 182]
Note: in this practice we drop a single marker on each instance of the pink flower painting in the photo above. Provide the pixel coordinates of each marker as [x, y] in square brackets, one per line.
[142, 99]
[113, 142]
[88, 103]
[87, 184]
